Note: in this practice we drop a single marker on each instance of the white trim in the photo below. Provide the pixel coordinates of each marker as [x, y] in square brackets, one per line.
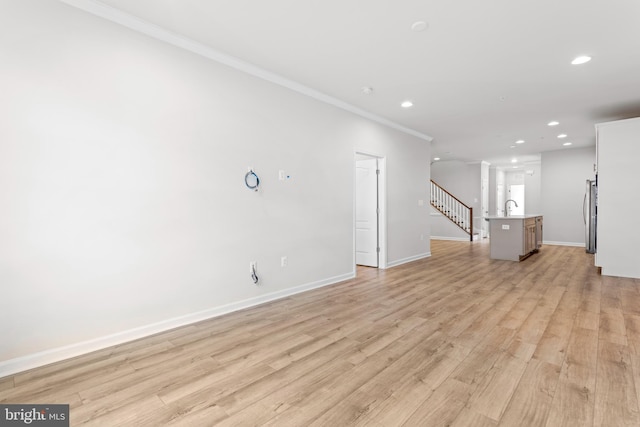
[576, 244]
[382, 205]
[30, 361]
[115, 15]
[408, 259]
[457, 239]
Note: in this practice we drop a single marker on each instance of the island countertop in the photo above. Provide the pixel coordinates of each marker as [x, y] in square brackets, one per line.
[513, 216]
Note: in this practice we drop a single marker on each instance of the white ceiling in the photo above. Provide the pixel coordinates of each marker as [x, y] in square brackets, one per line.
[483, 75]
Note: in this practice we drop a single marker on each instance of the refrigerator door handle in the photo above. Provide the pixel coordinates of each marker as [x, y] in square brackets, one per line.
[584, 209]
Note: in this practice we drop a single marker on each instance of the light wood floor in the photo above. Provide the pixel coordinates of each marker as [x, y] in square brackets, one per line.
[456, 339]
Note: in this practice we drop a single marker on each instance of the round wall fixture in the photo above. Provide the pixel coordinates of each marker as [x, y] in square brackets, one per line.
[251, 180]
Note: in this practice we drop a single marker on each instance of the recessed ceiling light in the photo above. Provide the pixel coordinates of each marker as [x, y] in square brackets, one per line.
[512, 146]
[367, 90]
[562, 135]
[553, 123]
[436, 158]
[407, 104]
[567, 143]
[520, 141]
[581, 60]
[514, 160]
[419, 26]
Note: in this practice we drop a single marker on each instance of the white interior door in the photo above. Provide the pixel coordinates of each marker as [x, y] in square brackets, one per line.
[367, 213]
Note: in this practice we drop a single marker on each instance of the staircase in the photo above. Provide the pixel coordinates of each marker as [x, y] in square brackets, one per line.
[457, 212]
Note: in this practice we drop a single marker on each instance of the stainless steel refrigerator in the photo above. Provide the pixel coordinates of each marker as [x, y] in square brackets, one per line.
[590, 213]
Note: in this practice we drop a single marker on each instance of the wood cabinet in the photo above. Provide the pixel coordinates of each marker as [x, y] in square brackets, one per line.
[514, 238]
[530, 243]
[538, 232]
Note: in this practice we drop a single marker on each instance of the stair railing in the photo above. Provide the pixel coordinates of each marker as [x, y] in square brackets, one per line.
[451, 207]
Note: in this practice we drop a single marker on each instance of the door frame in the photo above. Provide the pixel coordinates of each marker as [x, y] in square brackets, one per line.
[382, 206]
[484, 199]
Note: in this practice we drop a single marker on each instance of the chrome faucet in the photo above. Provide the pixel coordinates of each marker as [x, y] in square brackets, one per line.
[506, 212]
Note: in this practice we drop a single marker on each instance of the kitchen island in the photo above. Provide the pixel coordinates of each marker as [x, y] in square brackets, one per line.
[515, 237]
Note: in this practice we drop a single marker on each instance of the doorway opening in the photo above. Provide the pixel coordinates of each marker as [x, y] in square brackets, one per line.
[370, 211]
[516, 193]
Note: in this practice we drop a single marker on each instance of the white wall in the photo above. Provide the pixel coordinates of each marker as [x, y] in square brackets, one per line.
[442, 228]
[618, 202]
[532, 189]
[564, 174]
[497, 192]
[124, 210]
[460, 179]
[463, 180]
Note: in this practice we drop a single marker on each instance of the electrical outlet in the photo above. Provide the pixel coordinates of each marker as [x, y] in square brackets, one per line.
[284, 261]
[505, 226]
[281, 175]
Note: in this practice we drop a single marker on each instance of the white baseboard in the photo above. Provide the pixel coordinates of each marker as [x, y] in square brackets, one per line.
[457, 239]
[409, 259]
[30, 361]
[552, 243]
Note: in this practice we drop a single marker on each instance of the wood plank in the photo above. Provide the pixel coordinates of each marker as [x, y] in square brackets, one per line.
[6, 383]
[480, 361]
[630, 297]
[531, 330]
[616, 401]
[468, 417]
[632, 328]
[143, 411]
[573, 402]
[496, 389]
[635, 371]
[405, 383]
[279, 396]
[319, 404]
[531, 401]
[118, 395]
[443, 406]
[316, 370]
[552, 346]
[612, 322]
